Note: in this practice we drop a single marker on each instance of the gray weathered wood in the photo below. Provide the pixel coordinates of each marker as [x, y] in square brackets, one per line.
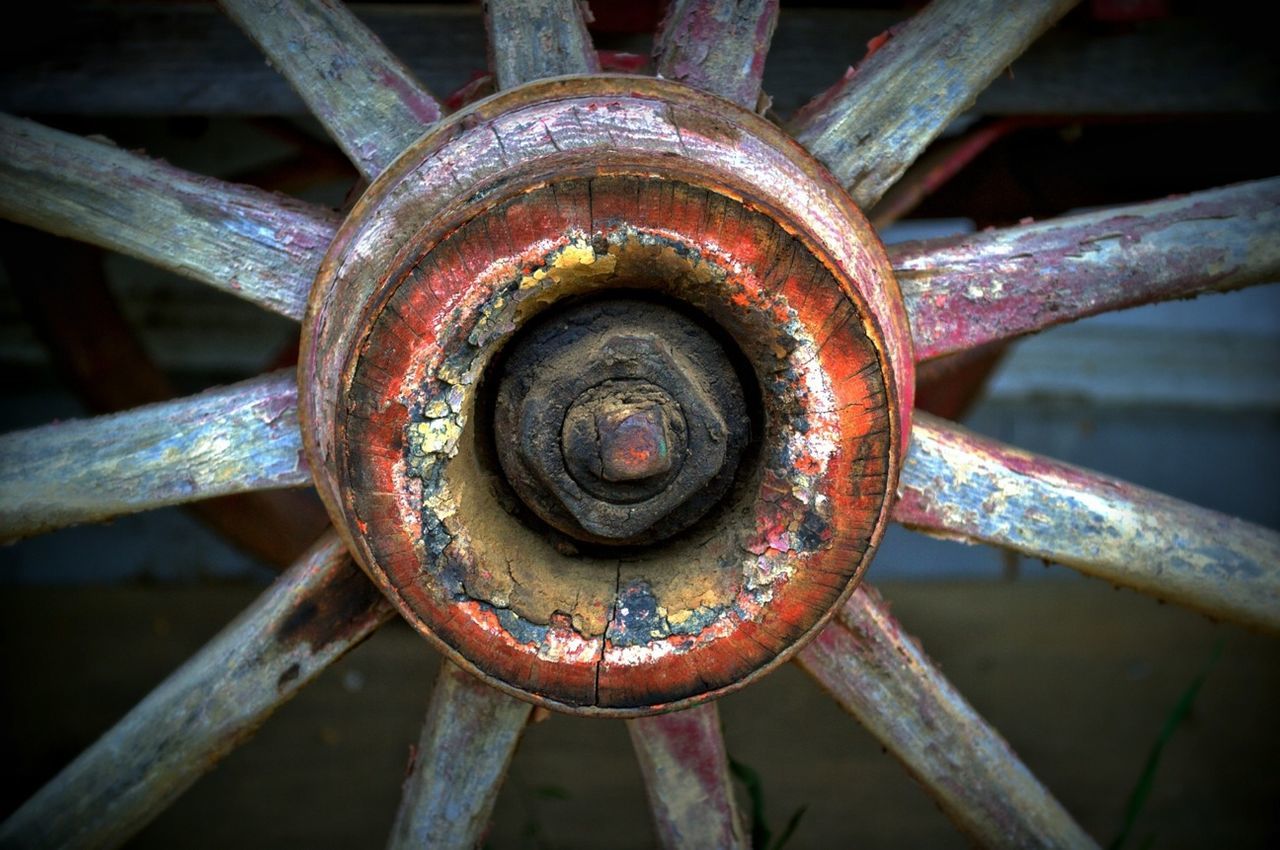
[881, 676]
[874, 123]
[260, 246]
[959, 485]
[686, 777]
[532, 39]
[144, 58]
[718, 46]
[467, 741]
[225, 440]
[317, 610]
[966, 292]
[371, 104]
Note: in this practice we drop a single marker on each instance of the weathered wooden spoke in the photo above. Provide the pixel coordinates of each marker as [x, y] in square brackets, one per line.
[467, 741]
[717, 45]
[257, 245]
[370, 103]
[880, 675]
[320, 608]
[962, 293]
[532, 39]
[686, 776]
[955, 483]
[225, 440]
[873, 124]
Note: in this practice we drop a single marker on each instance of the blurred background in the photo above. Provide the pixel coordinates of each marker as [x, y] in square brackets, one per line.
[1125, 101]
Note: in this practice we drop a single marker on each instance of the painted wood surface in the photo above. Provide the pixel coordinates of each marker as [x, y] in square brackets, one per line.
[144, 58]
[225, 440]
[258, 245]
[874, 123]
[468, 739]
[371, 104]
[532, 39]
[315, 612]
[686, 777]
[881, 676]
[718, 46]
[962, 293]
[957, 484]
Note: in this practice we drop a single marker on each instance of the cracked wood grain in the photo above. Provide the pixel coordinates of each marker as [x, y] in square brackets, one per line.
[686, 778]
[875, 121]
[316, 611]
[532, 39]
[966, 292]
[718, 46]
[371, 104]
[469, 736]
[225, 440]
[260, 246]
[880, 675]
[957, 484]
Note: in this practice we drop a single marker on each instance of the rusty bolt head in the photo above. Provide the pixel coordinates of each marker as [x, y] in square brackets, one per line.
[634, 444]
[610, 427]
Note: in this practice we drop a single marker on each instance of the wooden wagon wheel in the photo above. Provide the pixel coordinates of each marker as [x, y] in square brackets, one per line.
[606, 384]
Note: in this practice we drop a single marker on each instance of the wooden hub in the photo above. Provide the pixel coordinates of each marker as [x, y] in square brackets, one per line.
[605, 382]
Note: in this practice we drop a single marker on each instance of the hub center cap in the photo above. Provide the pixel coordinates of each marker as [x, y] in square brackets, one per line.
[605, 383]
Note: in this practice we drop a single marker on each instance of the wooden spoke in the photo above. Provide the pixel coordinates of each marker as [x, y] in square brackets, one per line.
[226, 440]
[963, 293]
[871, 125]
[686, 776]
[880, 675]
[469, 737]
[957, 484]
[317, 610]
[255, 244]
[717, 45]
[531, 39]
[371, 104]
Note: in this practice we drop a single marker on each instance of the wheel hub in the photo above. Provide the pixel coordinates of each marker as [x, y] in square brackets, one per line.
[605, 383]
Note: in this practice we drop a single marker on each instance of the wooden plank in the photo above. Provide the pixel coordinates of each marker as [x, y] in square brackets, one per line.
[966, 292]
[686, 777]
[532, 39]
[957, 484]
[881, 676]
[874, 123]
[371, 104]
[260, 246]
[226, 440]
[467, 742]
[321, 607]
[718, 46]
[139, 58]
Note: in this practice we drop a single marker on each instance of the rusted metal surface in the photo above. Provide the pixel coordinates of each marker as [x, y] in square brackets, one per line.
[998, 284]
[881, 676]
[371, 104]
[532, 39]
[457, 768]
[718, 46]
[619, 421]
[315, 612]
[427, 282]
[257, 245]
[686, 777]
[226, 440]
[874, 123]
[959, 485]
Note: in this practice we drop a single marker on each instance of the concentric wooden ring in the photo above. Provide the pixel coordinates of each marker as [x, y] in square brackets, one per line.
[555, 191]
